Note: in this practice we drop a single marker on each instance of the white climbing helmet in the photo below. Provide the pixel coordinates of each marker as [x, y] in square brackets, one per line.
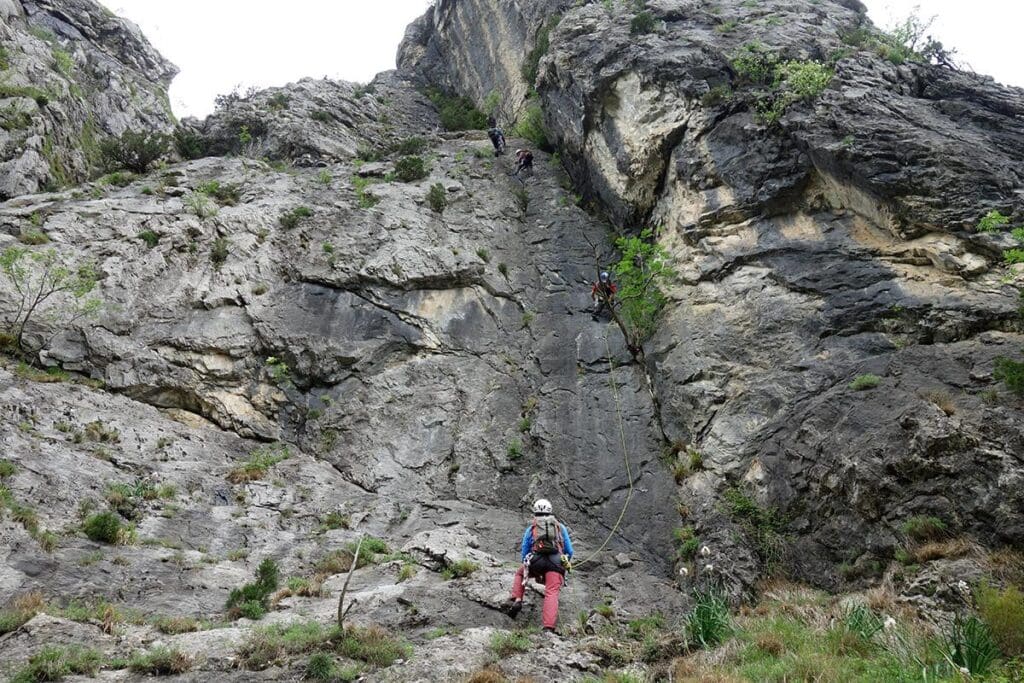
[542, 507]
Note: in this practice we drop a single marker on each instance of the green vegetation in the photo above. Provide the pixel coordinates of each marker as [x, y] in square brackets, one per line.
[43, 284]
[641, 272]
[969, 645]
[541, 45]
[531, 125]
[54, 663]
[1013, 256]
[290, 219]
[1011, 373]
[514, 450]
[160, 661]
[643, 22]
[117, 178]
[709, 624]
[437, 198]
[993, 221]
[227, 194]
[41, 97]
[134, 151]
[324, 177]
[260, 460]
[199, 204]
[410, 146]
[507, 643]
[149, 237]
[762, 526]
[275, 644]
[189, 144]
[459, 569]
[7, 469]
[321, 115]
[456, 113]
[63, 62]
[687, 543]
[107, 527]
[219, 251]
[484, 255]
[14, 118]
[279, 101]
[862, 382]
[365, 199]
[921, 528]
[410, 168]
[252, 600]
[33, 237]
[778, 84]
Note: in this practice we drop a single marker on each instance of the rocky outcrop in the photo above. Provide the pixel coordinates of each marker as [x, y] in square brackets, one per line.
[836, 241]
[71, 74]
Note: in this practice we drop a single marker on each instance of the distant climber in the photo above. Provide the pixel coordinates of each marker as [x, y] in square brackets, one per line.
[547, 555]
[497, 137]
[603, 294]
[524, 161]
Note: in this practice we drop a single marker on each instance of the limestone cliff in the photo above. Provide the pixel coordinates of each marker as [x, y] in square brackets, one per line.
[71, 74]
[304, 340]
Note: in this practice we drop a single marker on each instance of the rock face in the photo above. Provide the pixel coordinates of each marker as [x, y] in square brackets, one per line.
[296, 349]
[71, 74]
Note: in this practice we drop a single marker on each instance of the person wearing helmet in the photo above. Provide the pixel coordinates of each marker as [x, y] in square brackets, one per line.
[496, 135]
[524, 161]
[546, 552]
[602, 292]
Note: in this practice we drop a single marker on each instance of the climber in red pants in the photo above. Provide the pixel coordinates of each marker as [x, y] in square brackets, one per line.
[547, 554]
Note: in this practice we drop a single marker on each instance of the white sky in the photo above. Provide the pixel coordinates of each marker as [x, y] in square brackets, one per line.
[219, 44]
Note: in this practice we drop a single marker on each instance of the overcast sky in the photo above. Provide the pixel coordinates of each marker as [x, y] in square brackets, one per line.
[218, 44]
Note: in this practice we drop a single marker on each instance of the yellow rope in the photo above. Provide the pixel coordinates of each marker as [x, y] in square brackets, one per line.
[625, 454]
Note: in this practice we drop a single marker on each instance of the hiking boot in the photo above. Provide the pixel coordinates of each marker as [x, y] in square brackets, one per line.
[513, 607]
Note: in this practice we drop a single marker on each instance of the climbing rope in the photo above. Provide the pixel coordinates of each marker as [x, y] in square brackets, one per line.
[625, 455]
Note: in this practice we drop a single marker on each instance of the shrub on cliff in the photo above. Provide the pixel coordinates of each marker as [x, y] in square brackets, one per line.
[456, 113]
[643, 23]
[410, 168]
[133, 151]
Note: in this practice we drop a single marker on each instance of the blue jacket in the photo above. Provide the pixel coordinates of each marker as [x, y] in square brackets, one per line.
[528, 541]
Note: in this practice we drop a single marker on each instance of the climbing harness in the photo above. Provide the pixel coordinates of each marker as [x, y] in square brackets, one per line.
[625, 455]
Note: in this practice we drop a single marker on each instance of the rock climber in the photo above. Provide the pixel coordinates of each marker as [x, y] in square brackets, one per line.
[547, 555]
[524, 161]
[496, 136]
[602, 292]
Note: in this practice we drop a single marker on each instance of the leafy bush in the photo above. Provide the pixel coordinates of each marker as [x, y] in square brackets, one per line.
[805, 80]
[228, 194]
[320, 667]
[54, 663]
[437, 197]
[993, 221]
[459, 569]
[540, 48]
[1003, 612]
[969, 644]
[457, 113]
[160, 661]
[409, 146]
[508, 643]
[1013, 256]
[7, 469]
[290, 219]
[923, 528]
[755, 64]
[279, 101]
[42, 98]
[251, 600]
[410, 168]
[643, 23]
[531, 125]
[104, 527]
[149, 237]
[199, 204]
[134, 151]
[708, 624]
[189, 144]
[219, 251]
[321, 115]
[763, 525]
[687, 542]
[862, 382]
[1011, 373]
[642, 271]
[260, 460]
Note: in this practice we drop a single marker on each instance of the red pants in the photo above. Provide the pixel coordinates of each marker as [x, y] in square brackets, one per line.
[552, 587]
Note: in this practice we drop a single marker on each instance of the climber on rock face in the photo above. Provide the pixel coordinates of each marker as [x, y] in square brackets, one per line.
[524, 161]
[496, 136]
[546, 554]
[602, 292]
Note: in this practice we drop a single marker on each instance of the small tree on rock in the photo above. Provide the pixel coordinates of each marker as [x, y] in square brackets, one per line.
[642, 270]
[134, 151]
[40, 282]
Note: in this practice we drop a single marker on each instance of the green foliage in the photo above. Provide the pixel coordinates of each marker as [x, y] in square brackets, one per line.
[861, 623]
[508, 643]
[104, 527]
[993, 221]
[1018, 234]
[643, 23]
[227, 194]
[7, 469]
[531, 125]
[456, 113]
[687, 543]
[1011, 373]
[804, 80]
[275, 644]
[410, 146]
[459, 569]
[514, 450]
[117, 178]
[370, 547]
[371, 645]
[279, 101]
[5, 59]
[969, 644]
[260, 460]
[365, 199]
[862, 382]
[762, 525]
[641, 272]
[321, 115]
[320, 667]
[199, 204]
[923, 528]
[709, 624]
[12, 117]
[63, 61]
[189, 144]
[290, 219]
[755, 64]
[134, 151]
[33, 237]
[324, 177]
[540, 48]
[160, 661]
[1003, 612]
[54, 663]
[484, 255]
[410, 168]
[40, 283]
[910, 41]
[149, 237]
[437, 197]
[251, 600]
[219, 251]
[1013, 256]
